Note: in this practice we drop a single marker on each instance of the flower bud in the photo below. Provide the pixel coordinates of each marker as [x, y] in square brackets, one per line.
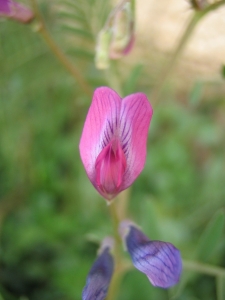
[160, 261]
[123, 31]
[100, 275]
[117, 36]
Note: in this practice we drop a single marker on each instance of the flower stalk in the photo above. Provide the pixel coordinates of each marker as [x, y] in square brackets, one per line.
[166, 72]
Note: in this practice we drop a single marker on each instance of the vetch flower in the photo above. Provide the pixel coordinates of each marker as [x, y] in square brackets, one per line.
[16, 11]
[160, 261]
[113, 141]
[99, 277]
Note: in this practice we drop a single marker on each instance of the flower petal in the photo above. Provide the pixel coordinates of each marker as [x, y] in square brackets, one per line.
[135, 117]
[99, 277]
[16, 11]
[99, 128]
[110, 167]
[4, 7]
[160, 261]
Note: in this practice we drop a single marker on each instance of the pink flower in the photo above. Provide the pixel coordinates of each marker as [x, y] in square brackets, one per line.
[113, 141]
[16, 11]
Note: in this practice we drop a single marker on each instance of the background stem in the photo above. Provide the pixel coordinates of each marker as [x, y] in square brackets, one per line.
[197, 16]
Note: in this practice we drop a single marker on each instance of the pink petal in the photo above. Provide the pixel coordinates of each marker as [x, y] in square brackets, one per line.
[129, 45]
[16, 11]
[4, 7]
[110, 167]
[99, 128]
[113, 141]
[135, 117]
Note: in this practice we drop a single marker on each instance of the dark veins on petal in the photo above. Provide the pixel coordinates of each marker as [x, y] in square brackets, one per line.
[144, 259]
[142, 252]
[127, 130]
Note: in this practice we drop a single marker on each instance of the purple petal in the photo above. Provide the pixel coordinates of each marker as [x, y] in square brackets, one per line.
[135, 117]
[160, 261]
[100, 275]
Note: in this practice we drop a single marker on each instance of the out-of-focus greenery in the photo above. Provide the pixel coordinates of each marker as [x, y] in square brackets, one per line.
[51, 218]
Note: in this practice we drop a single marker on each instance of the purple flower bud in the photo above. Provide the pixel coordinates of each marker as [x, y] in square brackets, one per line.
[99, 277]
[160, 261]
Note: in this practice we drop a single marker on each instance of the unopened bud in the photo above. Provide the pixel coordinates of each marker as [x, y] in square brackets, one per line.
[122, 32]
[100, 275]
[117, 36]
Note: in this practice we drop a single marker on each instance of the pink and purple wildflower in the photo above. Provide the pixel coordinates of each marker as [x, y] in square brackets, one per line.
[113, 141]
[159, 261]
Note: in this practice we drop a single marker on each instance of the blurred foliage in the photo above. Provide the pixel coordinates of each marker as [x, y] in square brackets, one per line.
[51, 218]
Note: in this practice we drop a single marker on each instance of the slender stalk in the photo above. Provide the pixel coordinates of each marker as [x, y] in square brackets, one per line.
[58, 52]
[204, 268]
[113, 78]
[122, 204]
[197, 16]
[114, 286]
[115, 220]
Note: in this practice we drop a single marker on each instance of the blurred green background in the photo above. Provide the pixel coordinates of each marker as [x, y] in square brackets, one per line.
[51, 218]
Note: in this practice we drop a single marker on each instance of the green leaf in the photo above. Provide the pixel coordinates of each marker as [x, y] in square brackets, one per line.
[71, 16]
[81, 53]
[77, 31]
[210, 237]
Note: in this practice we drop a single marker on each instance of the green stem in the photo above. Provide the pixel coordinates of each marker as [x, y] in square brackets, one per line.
[58, 52]
[113, 77]
[197, 16]
[204, 268]
[115, 220]
[220, 289]
[117, 211]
